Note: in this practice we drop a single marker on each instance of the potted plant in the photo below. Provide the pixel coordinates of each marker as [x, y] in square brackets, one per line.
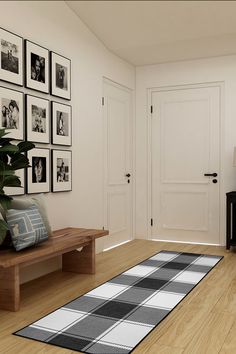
[12, 158]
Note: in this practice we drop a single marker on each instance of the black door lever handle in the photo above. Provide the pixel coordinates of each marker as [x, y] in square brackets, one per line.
[128, 175]
[210, 174]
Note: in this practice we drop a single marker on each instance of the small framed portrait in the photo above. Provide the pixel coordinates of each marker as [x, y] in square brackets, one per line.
[60, 76]
[61, 124]
[38, 119]
[38, 175]
[11, 61]
[61, 170]
[36, 67]
[12, 112]
[12, 191]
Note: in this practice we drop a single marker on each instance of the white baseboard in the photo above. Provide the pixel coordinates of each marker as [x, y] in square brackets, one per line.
[188, 242]
[119, 244]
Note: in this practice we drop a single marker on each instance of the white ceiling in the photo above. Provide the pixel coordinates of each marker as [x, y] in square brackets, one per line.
[149, 32]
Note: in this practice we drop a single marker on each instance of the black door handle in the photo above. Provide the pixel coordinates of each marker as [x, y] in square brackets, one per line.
[128, 175]
[210, 174]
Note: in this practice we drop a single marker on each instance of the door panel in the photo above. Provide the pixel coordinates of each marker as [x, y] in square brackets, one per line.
[117, 156]
[185, 146]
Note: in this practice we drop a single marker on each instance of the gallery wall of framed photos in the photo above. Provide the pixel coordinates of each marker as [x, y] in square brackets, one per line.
[30, 112]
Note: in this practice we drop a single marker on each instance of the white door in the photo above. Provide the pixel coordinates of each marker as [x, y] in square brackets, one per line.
[185, 146]
[117, 108]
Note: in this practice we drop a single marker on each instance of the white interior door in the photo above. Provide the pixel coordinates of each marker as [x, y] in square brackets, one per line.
[185, 146]
[117, 107]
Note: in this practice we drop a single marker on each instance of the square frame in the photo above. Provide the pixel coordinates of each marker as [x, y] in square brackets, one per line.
[56, 137]
[12, 116]
[61, 186]
[38, 186]
[59, 80]
[32, 135]
[11, 38]
[42, 81]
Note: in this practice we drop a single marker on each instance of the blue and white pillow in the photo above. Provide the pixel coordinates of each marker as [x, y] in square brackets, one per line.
[26, 227]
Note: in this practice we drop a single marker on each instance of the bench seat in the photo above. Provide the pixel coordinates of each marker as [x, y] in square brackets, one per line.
[63, 242]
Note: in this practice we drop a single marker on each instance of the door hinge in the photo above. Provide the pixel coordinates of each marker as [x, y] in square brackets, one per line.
[151, 222]
[102, 101]
[151, 109]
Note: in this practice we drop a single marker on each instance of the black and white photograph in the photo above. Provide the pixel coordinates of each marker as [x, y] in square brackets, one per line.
[61, 170]
[38, 175]
[61, 124]
[12, 191]
[60, 76]
[37, 67]
[11, 60]
[11, 112]
[38, 119]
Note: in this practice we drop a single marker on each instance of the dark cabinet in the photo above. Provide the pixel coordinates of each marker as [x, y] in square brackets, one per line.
[230, 219]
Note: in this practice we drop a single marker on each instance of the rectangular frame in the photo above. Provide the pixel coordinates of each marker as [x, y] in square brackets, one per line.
[64, 62]
[34, 136]
[55, 154]
[60, 139]
[39, 51]
[7, 75]
[17, 134]
[38, 187]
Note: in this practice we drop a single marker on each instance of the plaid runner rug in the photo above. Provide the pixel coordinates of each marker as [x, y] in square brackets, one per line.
[117, 315]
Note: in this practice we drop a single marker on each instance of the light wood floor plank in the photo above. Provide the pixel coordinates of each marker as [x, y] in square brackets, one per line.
[229, 345]
[210, 338]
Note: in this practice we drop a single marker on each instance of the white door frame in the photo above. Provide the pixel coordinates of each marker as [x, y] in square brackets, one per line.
[222, 215]
[132, 153]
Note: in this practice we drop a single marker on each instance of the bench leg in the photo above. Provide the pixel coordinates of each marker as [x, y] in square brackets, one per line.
[10, 288]
[80, 262]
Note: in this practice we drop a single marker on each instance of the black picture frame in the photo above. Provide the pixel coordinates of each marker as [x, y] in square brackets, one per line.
[35, 187]
[19, 104]
[42, 83]
[57, 186]
[55, 89]
[31, 135]
[57, 139]
[5, 74]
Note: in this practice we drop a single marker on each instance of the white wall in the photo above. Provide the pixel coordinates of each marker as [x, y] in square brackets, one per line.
[53, 25]
[221, 69]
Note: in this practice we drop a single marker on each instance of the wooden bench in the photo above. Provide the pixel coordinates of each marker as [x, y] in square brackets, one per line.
[63, 242]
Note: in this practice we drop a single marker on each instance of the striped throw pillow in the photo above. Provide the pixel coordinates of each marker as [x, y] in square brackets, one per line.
[26, 227]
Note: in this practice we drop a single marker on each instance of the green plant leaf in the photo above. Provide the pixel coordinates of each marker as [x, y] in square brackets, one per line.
[9, 172]
[3, 230]
[4, 158]
[12, 181]
[19, 161]
[4, 141]
[5, 201]
[25, 146]
[3, 133]
[9, 148]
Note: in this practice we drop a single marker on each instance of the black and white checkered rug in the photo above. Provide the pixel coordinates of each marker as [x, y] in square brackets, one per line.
[117, 315]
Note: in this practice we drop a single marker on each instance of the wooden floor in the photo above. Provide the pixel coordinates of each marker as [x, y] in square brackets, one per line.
[204, 322]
